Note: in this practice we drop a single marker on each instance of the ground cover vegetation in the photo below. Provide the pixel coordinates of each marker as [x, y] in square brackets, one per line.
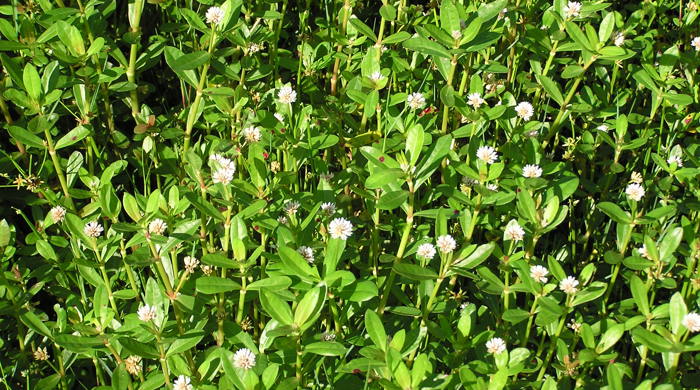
[455, 194]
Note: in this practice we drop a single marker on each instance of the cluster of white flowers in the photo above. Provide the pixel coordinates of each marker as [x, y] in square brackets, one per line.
[619, 39]
[255, 47]
[496, 345]
[539, 273]
[415, 100]
[376, 76]
[182, 383]
[475, 100]
[636, 177]
[446, 243]
[695, 43]
[252, 134]
[133, 365]
[93, 229]
[224, 172]
[215, 15]
[190, 264]
[569, 285]
[146, 313]
[57, 213]
[643, 252]
[524, 110]
[291, 207]
[340, 228]
[426, 251]
[674, 159]
[287, 95]
[328, 208]
[244, 358]
[307, 253]
[692, 321]
[572, 9]
[41, 353]
[635, 191]
[514, 232]
[532, 171]
[157, 226]
[487, 154]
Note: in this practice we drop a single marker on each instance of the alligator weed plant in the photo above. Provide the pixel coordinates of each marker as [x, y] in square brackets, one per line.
[349, 194]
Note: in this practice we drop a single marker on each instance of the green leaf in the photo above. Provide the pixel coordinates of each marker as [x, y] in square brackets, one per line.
[273, 283]
[610, 338]
[5, 234]
[189, 61]
[515, 316]
[204, 206]
[375, 329]
[388, 12]
[131, 207]
[526, 206]
[415, 137]
[309, 307]
[219, 259]
[78, 343]
[189, 76]
[415, 272]
[639, 294]
[334, 251]
[185, 342]
[276, 308]
[606, 27]
[430, 163]
[392, 200]
[295, 262]
[676, 311]
[425, 46]
[612, 374]
[578, 36]
[73, 136]
[325, 348]
[32, 82]
[449, 17]
[215, 285]
[26, 137]
[551, 88]
[34, 323]
[651, 340]
[363, 28]
[477, 256]
[615, 212]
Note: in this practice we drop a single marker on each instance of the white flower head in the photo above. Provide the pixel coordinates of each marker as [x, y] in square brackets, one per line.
[93, 229]
[57, 213]
[340, 228]
[539, 273]
[487, 154]
[691, 321]
[244, 358]
[572, 9]
[635, 191]
[255, 47]
[207, 269]
[41, 353]
[291, 207]
[376, 76]
[532, 171]
[146, 313]
[190, 264]
[307, 253]
[182, 383]
[492, 187]
[695, 43]
[456, 35]
[415, 100]
[496, 345]
[328, 208]
[475, 100]
[215, 15]
[223, 162]
[604, 128]
[619, 39]
[636, 177]
[328, 336]
[279, 116]
[426, 251]
[157, 226]
[643, 252]
[524, 110]
[133, 365]
[514, 232]
[674, 159]
[569, 285]
[252, 134]
[446, 243]
[287, 95]
[575, 326]
[222, 175]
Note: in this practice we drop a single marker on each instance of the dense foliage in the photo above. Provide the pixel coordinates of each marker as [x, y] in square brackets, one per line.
[456, 194]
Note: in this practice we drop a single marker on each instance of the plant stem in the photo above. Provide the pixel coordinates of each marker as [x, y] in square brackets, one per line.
[194, 108]
[131, 70]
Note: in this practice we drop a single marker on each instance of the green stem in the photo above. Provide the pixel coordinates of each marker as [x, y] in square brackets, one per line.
[194, 108]
[58, 169]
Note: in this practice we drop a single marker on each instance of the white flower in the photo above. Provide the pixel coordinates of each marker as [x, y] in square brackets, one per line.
[133, 364]
[222, 175]
[675, 159]
[573, 9]
[446, 243]
[496, 345]
[291, 207]
[456, 35]
[279, 116]
[636, 177]
[426, 251]
[539, 273]
[215, 15]
[223, 162]
[475, 100]
[532, 170]
[207, 269]
[307, 253]
[146, 313]
[569, 285]
[57, 213]
[255, 47]
[643, 251]
[575, 326]
[328, 208]
[487, 154]
[692, 322]
[41, 353]
[282, 219]
[93, 229]
[182, 383]
[604, 128]
[514, 232]
[635, 191]
[252, 134]
[376, 76]
[286, 95]
[415, 100]
[492, 187]
[340, 228]
[157, 226]
[695, 43]
[524, 110]
[619, 39]
[328, 336]
[244, 358]
[190, 264]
